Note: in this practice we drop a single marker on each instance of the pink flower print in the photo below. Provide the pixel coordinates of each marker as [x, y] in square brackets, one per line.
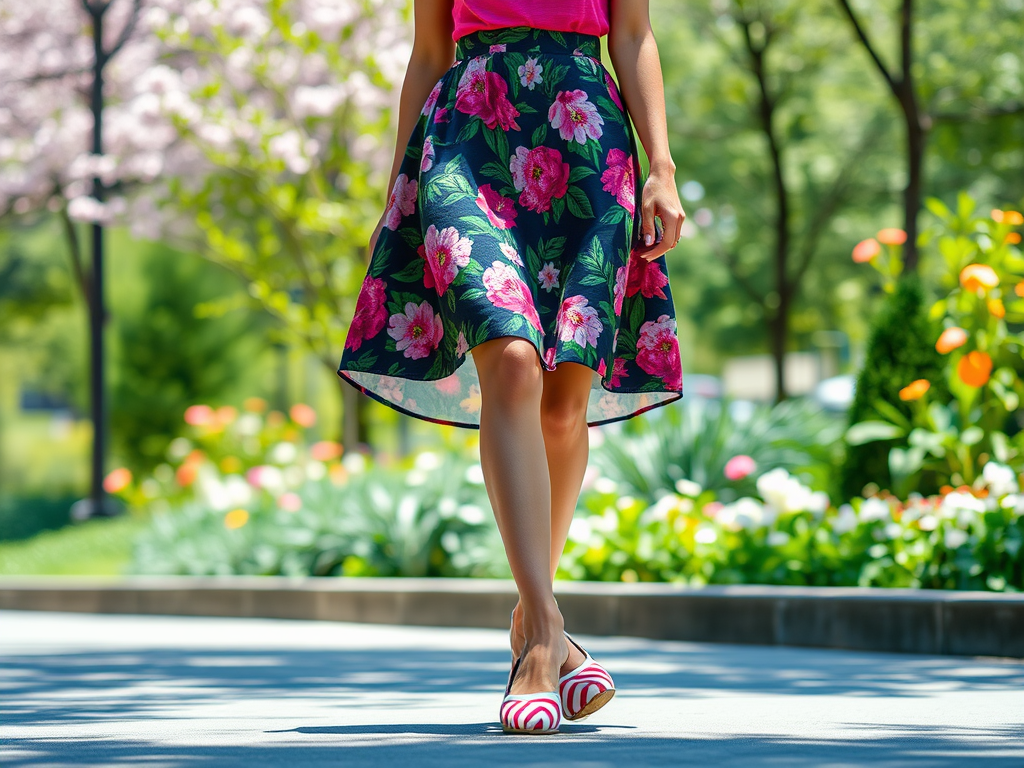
[646, 277]
[540, 175]
[501, 211]
[619, 178]
[497, 48]
[449, 385]
[391, 388]
[530, 73]
[657, 351]
[507, 290]
[483, 94]
[613, 91]
[618, 371]
[431, 99]
[445, 252]
[370, 314]
[441, 116]
[549, 358]
[511, 254]
[402, 201]
[427, 159]
[577, 52]
[461, 345]
[417, 330]
[548, 276]
[620, 287]
[575, 117]
[602, 368]
[578, 322]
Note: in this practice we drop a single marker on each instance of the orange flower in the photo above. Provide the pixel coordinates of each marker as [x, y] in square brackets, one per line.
[226, 414]
[236, 518]
[186, 474]
[117, 480]
[275, 419]
[255, 404]
[1013, 218]
[975, 277]
[303, 415]
[1012, 238]
[892, 236]
[975, 368]
[915, 389]
[325, 450]
[998, 215]
[950, 339]
[1019, 289]
[866, 250]
[995, 306]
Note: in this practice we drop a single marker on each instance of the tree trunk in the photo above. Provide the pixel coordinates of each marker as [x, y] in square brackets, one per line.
[354, 423]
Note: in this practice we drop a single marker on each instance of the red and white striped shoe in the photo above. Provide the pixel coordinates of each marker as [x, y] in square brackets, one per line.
[532, 713]
[586, 689]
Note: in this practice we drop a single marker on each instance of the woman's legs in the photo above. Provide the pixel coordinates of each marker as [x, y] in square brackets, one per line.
[566, 392]
[518, 485]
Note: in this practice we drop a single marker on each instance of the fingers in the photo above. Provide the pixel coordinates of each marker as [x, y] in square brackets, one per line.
[673, 231]
[648, 233]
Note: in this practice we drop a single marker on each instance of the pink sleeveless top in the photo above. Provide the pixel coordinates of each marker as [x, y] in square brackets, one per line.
[587, 17]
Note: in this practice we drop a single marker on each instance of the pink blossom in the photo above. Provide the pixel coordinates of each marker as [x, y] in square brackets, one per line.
[417, 330]
[441, 116]
[427, 160]
[445, 252]
[370, 314]
[613, 91]
[739, 467]
[658, 351]
[646, 277]
[506, 289]
[511, 254]
[549, 358]
[540, 175]
[618, 371]
[289, 501]
[483, 94]
[402, 201]
[575, 117]
[461, 345]
[449, 385]
[548, 277]
[501, 211]
[497, 48]
[620, 287]
[198, 415]
[431, 99]
[619, 178]
[602, 368]
[530, 73]
[578, 322]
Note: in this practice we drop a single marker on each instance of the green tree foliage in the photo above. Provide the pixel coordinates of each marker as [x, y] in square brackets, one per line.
[167, 355]
[901, 349]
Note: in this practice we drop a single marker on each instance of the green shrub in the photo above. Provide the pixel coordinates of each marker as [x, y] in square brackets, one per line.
[901, 349]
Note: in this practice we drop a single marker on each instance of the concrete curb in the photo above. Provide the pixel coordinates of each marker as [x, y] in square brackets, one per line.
[891, 620]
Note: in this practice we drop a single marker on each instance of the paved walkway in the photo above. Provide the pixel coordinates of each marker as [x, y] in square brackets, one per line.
[83, 690]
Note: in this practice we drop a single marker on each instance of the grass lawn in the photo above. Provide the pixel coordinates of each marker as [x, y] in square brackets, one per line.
[95, 548]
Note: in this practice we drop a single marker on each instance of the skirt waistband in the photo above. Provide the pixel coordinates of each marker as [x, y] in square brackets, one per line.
[527, 40]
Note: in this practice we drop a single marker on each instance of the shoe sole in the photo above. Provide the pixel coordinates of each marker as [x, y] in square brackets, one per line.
[593, 705]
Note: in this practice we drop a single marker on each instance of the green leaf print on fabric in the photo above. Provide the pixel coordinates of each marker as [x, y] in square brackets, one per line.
[579, 205]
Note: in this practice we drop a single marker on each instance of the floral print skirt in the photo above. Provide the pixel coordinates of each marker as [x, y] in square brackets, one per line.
[513, 214]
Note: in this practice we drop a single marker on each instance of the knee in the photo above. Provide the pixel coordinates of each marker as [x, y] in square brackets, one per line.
[513, 373]
[564, 416]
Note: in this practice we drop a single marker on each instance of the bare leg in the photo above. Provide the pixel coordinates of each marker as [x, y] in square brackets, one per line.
[516, 477]
[567, 447]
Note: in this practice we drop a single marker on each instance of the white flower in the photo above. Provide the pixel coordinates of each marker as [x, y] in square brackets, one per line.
[705, 535]
[471, 514]
[999, 478]
[605, 485]
[284, 453]
[745, 513]
[873, 509]
[778, 539]
[894, 530]
[786, 493]
[427, 460]
[660, 509]
[475, 474]
[688, 488]
[530, 73]
[928, 522]
[354, 462]
[315, 470]
[954, 538]
[956, 502]
[248, 424]
[845, 521]
[580, 530]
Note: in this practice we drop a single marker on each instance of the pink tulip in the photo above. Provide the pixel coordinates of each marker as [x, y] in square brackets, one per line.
[739, 467]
